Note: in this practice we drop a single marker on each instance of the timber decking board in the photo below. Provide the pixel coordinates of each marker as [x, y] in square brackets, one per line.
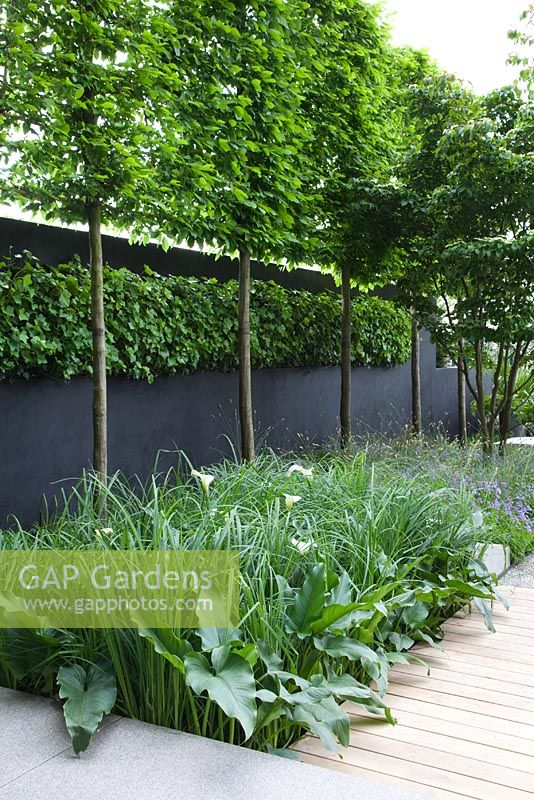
[466, 732]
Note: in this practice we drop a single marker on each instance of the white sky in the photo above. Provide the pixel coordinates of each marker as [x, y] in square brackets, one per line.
[466, 37]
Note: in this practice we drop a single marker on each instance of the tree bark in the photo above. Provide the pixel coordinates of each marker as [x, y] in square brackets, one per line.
[509, 392]
[417, 415]
[245, 371]
[486, 426]
[462, 400]
[346, 359]
[98, 329]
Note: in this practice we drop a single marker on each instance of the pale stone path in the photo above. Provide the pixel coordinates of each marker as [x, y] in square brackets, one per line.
[521, 574]
[130, 760]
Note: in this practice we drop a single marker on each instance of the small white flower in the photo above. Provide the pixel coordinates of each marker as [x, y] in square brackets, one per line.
[307, 473]
[302, 545]
[204, 478]
[291, 499]
[107, 530]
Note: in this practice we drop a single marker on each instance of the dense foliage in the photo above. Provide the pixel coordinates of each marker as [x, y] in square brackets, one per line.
[162, 325]
[335, 587]
[500, 489]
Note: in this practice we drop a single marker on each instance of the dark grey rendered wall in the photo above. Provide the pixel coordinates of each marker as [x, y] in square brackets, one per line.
[45, 425]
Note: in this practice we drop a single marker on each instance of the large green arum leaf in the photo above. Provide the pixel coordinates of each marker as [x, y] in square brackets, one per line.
[344, 647]
[168, 645]
[309, 602]
[90, 693]
[229, 682]
[29, 650]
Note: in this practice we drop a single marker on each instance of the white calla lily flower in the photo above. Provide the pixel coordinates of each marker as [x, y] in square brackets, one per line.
[302, 545]
[307, 473]
[204, 478]
[291, 499]
[99, 532]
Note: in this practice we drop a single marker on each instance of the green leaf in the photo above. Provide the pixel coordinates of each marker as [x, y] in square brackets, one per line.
[27, 650]
[400, 641]
[229, 682]
[339, 617]
[168, 645]
[215, 637]
[309, 601]
[89, 694]
[487, 612]
[284, 752]
[325, 719]
[344, 647]
[413, 616]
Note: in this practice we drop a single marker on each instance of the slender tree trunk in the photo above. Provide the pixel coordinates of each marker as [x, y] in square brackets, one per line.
[245, 371]
[486, 428]
[100, 445]
[346, 359]
[462, 400]
[509, 391]
[417, 415]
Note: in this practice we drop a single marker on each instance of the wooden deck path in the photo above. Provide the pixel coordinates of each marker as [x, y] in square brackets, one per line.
[467, 731]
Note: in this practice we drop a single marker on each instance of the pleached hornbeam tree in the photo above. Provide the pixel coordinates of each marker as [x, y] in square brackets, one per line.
[77, 82]
[247, 156]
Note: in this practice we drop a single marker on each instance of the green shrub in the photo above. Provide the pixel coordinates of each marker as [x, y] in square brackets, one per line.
[163, 325]
[334, 590]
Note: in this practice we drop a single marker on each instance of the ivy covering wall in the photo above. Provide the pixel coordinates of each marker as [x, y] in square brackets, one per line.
[163, 325]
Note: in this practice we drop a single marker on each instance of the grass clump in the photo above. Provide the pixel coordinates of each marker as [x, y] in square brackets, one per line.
[500, 487]
[335, 587]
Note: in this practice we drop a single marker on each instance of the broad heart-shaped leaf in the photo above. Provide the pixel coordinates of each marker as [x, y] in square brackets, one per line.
[400, 641]
[339, 617]
[284, 752]
[215, 637]
[269, 712]
[341, 594]
[309, 601]
[323, 718]
[27, 650]
[90, 694]
[469, 589]
[345, 687]
[413, 616]
[167, 645]
[229, 682]
[425, 637]
[273, 662]
[344, 647]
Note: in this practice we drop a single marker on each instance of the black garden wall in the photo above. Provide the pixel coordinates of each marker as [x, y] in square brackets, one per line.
[45, 425]
[53, 245]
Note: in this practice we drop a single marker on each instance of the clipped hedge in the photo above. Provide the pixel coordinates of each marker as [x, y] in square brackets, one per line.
[162, 325]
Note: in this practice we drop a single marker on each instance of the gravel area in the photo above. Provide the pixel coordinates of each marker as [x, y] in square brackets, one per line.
[521, 574]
